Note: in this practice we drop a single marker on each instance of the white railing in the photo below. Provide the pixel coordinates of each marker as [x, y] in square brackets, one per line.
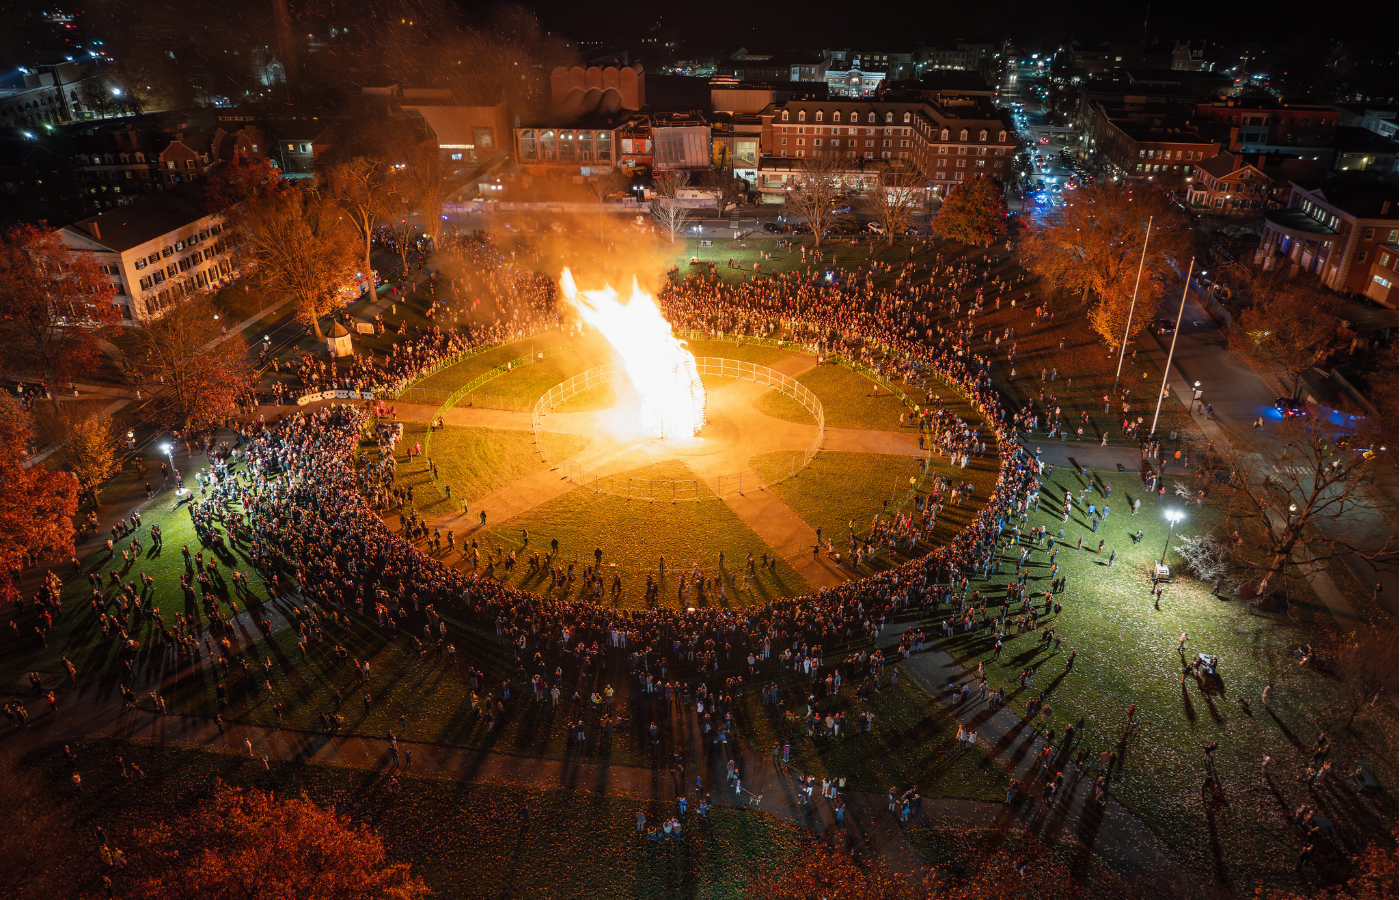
[689, 489]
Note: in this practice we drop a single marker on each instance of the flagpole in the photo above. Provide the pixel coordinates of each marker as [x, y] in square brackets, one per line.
[1127, 329]
[1189, 270]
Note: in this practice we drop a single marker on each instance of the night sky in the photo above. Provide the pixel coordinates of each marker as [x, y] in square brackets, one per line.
[818, 23]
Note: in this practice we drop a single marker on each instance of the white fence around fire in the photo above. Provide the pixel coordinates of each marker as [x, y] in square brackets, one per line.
[687, 489]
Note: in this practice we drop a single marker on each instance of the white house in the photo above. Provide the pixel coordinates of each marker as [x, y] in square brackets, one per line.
[155, 250]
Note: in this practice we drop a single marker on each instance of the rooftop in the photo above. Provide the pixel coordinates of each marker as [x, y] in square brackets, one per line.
[142, 220]
[1361, 195]
[1297, 221]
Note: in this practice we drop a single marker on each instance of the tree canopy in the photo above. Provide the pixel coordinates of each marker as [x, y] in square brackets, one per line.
[300, 245]
[1093, 244]
[55, 306]
[1291, 326]
[251, 845]
[37, 505]
[974, 212]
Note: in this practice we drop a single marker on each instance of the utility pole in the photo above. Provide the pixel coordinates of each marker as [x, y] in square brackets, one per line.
[1167, 369]
[1127, 329]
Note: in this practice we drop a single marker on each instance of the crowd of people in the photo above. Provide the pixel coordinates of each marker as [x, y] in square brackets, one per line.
[305, 504]
[311, 516]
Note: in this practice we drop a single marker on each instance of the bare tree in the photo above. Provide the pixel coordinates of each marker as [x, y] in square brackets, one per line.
[898, 194]
[1368, 667]
[1291, 327]
[603, 186]
[667, 209]
[359, 186]
[1207, 558]
[726, 190]
[816, 185]
[423, 179]
[1299, 488]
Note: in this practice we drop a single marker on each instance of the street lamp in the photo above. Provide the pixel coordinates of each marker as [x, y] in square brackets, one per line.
[169, 450]
[1173, 516]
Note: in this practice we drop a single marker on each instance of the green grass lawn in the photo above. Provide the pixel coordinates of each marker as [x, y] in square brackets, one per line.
[468, 841]
[846, 401]
[521, 387]
[76, 634]
[474, 461]
[914, 741]
[1128, 654]
[841, 490]
[634, 534]
[454, 376]
[757, 354]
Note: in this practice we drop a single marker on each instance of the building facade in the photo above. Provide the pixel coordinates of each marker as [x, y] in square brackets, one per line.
[155, 251]
[1382, 286]
[952, 143]
[1333, 229]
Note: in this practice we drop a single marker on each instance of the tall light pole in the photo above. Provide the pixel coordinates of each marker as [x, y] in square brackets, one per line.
[1173, 516]
[1167, 369]
[170, 453]
[1127, 329]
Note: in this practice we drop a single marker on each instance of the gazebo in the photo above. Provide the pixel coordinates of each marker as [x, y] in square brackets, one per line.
[338, 341]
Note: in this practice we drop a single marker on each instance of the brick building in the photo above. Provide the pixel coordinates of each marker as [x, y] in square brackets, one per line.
[874, 135]
[1333, 228]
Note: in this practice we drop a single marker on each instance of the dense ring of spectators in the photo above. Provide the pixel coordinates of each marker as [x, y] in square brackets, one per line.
[317, 525]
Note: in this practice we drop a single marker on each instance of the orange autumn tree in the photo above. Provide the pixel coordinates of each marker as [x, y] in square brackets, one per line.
[829, 874]
[1374, 879]
[243, 178]
[974, 213]
[55, 306]
[37, 504]
[204, 372]
[250, 845]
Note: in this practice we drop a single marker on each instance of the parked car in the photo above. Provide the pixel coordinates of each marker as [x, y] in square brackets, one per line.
[875, 227]
[1165, 326]
[774, 228]
[1290, 407]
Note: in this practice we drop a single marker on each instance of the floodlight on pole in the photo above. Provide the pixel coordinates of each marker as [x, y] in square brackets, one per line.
[1173, 516]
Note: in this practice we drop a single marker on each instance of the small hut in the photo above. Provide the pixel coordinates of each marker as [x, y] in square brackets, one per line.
[338, 341]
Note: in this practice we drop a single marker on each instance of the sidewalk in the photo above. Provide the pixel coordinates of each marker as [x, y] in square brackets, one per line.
[1319, 579]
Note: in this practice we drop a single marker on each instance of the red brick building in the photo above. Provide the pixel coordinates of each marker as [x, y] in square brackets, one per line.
[958, 140]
